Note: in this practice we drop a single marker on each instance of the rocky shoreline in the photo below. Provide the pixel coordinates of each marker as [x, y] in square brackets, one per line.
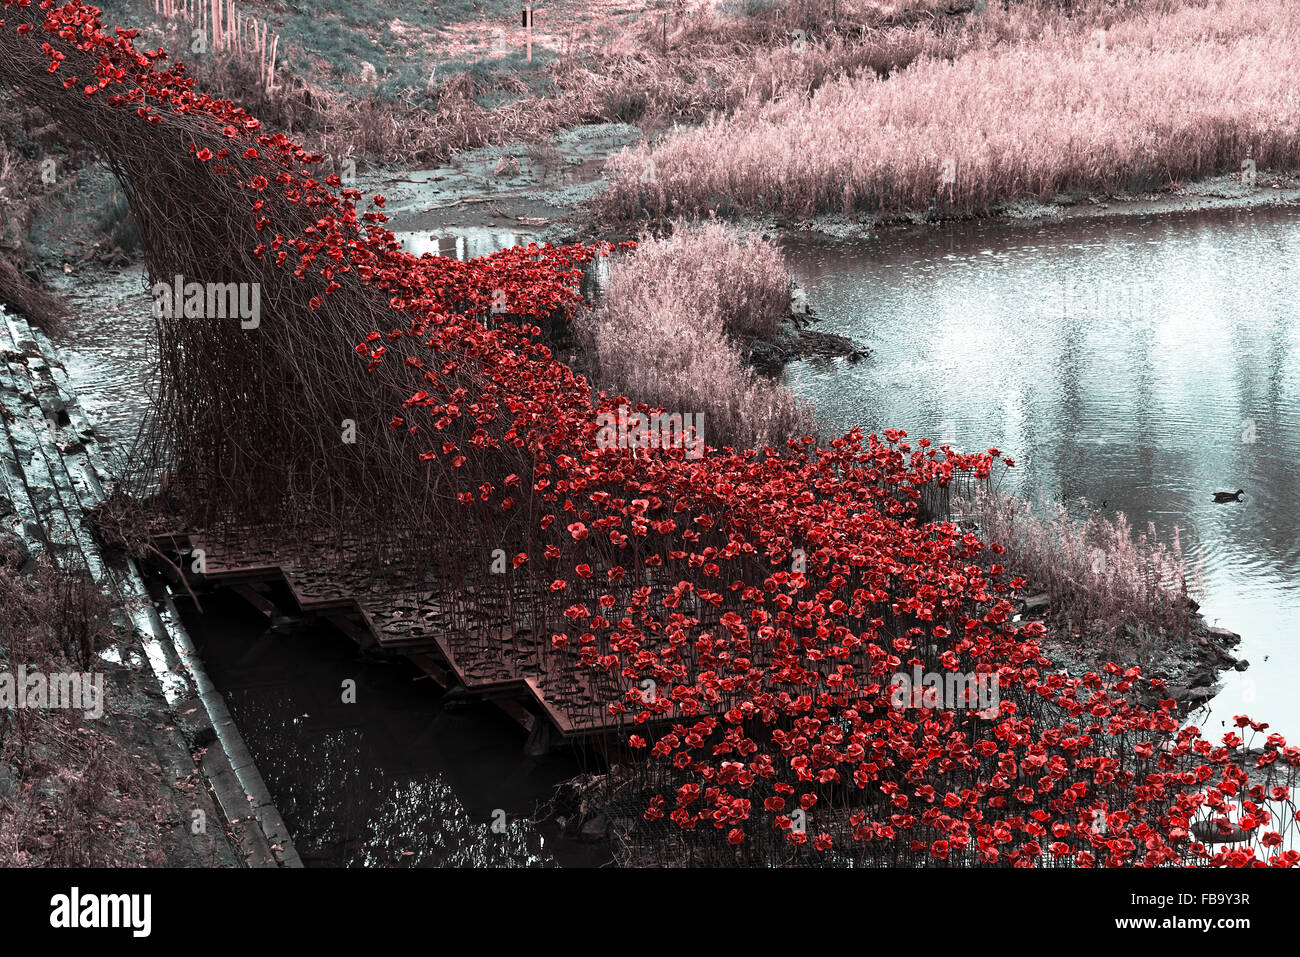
[795, 341]
[1190, 665]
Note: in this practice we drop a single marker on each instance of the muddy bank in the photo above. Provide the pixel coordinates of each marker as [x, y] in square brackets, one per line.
[1190, 665]
[525, 192]
[795, 341]
[1225, 192]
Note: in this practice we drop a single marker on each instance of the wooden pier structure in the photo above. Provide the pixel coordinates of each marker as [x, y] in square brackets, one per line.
[496, 661]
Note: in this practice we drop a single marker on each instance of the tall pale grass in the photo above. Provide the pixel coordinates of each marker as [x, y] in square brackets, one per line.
[666, 330]
[716, 63]
[739, 282]
[1170, 91]
[1097, 571]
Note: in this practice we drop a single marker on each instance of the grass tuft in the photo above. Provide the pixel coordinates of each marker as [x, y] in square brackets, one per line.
[666, 332]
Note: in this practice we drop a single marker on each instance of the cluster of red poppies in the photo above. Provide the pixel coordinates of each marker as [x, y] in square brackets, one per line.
[745, 612]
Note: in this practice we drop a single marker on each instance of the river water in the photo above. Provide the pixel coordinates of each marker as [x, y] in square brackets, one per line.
[367, 763]
[1144, 363]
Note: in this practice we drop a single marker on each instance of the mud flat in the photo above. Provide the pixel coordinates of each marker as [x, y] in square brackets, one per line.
[1226, 192]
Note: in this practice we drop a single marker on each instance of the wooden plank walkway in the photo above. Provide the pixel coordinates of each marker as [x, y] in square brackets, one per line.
[493, 661]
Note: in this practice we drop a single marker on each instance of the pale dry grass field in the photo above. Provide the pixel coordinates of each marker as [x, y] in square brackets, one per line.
[638, 62]
[1093, 101]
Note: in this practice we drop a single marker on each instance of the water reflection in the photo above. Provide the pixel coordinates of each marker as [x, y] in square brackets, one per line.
[1144, 363]
[391, 780]
[467, 242]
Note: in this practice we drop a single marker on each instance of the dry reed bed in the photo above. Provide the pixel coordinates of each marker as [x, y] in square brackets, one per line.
[666, 332]
[1100, 572]
[1169, 93]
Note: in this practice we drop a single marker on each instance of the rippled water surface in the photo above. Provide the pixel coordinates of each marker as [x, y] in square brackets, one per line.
[1145, 363]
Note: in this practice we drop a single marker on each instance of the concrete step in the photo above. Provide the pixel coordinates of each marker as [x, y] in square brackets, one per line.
[51, 477]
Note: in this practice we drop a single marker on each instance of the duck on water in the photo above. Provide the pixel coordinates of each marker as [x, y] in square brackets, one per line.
[1222, 497]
